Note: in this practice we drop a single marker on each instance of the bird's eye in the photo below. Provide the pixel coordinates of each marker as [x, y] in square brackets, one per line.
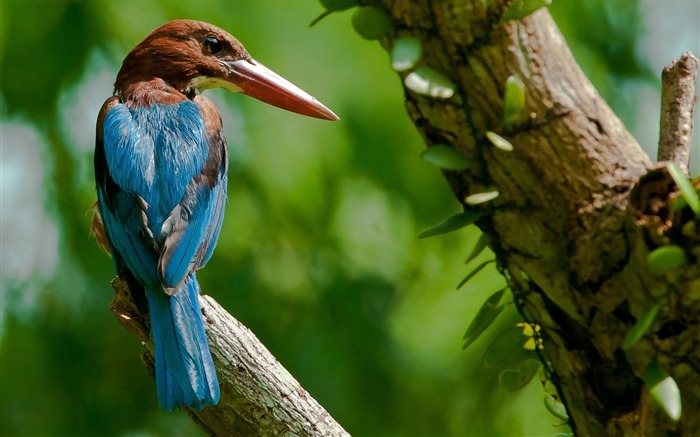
[213, 45]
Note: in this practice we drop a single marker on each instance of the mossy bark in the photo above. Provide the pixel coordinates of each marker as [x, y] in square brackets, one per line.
[580, 207]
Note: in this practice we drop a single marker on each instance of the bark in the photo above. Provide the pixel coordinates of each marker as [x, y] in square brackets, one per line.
[258, 395]
[677, 106]
[580, 207]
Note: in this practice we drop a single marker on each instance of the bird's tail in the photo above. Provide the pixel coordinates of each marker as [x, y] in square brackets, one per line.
[185, 373]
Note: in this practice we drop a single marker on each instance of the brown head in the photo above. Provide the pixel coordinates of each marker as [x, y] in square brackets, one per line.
[192, 56]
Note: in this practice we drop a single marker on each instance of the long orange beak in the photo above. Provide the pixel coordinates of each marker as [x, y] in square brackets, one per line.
[256, 80]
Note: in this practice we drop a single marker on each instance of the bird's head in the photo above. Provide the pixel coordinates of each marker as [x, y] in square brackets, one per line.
[192, 56]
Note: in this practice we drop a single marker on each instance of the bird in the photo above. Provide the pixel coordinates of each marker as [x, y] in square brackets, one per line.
[161, 174]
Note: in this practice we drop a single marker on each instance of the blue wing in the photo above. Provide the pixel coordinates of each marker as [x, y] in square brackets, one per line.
[162, 187]
[194, 225]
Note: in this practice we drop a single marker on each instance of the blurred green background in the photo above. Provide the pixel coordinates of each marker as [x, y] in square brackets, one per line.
[318, 255]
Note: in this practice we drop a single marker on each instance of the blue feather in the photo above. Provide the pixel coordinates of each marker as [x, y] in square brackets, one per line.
[161, 192]
[185, 373]
[184, 242]
[156, 151]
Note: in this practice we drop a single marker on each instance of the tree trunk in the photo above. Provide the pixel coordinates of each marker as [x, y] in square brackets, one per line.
[569, 229]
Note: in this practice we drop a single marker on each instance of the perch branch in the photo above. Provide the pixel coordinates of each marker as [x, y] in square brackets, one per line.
[677, 105]
[258, 395]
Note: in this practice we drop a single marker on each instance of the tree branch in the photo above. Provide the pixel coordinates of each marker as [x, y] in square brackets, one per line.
[258, 395]
[572, 245]
[677, 106]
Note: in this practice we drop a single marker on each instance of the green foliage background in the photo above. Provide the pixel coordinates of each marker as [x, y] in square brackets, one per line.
[318, 255]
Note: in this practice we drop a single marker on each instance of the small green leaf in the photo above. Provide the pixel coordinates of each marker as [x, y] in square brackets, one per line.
[548, 386]
[499, 141]
[333, 6]
[514, 380]
[479, 247]
[474, 272]
[323, 15]
[667, 394]
[445, 157]
[641, 327]
[406, 52]
[663, 389]
[687, 190]
[478, 198]
[665, 258]
[505, 347]
[654, 374]
[522, 8]
[425, 80]
[484, 317]
[513, 100]
[338, 5]
[453, 223]
[556, 408]
[371, 22]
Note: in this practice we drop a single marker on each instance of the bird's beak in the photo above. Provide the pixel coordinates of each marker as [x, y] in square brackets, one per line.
[255, 80]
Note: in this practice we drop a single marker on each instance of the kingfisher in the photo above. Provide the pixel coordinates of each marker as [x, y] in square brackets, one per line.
[161, 171]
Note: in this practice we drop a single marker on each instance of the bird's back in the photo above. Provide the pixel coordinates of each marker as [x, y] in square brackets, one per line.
[159, 149]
